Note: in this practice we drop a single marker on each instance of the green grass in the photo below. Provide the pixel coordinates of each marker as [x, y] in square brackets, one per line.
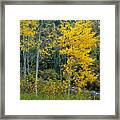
[79, 96]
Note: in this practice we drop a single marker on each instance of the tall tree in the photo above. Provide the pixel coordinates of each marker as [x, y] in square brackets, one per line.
[77, 42]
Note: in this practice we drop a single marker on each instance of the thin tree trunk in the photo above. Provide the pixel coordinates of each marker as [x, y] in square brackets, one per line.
[69, 78]
[69, 91]
[28, 63]
[37, 65]
[60, 66]
[24, 56]
[28, 57]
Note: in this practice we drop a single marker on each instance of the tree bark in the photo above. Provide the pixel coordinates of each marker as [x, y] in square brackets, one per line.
[28, 63]
[24, 56]
[37, 65]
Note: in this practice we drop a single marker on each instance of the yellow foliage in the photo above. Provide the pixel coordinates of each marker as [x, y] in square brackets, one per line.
[76, 42]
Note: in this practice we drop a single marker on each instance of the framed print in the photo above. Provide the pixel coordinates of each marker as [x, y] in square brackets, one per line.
[60, 59]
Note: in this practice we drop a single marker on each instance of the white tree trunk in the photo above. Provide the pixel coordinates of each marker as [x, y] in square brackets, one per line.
[24, 56]
[37, 65]
[28, 64]
[24, 59]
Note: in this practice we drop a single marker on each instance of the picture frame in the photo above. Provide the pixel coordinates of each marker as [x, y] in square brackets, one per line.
[70, 2]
